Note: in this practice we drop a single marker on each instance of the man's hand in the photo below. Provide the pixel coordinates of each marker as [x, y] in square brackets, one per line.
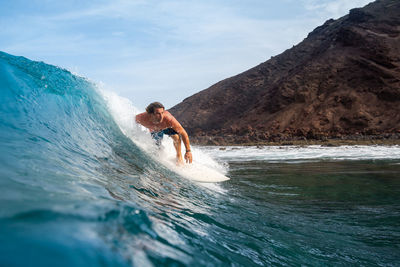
[188, 157]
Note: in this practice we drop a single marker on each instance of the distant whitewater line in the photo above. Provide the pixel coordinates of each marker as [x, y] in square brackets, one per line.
[315, 152]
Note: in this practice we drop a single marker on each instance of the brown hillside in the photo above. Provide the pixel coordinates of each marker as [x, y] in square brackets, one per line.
[342, 80]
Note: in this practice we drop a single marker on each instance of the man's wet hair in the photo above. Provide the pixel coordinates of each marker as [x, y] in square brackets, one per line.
[150, 108]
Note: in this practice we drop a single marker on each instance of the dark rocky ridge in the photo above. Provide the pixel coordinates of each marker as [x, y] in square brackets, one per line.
[342, 81]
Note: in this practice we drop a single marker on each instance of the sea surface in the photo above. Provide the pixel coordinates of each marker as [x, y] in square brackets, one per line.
[82, 185]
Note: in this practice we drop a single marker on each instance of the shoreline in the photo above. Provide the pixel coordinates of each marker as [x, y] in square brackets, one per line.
[326, 142]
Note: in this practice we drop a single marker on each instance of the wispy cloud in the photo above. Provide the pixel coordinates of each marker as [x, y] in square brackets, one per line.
[334, 8]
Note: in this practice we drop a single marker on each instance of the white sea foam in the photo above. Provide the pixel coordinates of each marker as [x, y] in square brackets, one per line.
[296, 153]
[203, 169]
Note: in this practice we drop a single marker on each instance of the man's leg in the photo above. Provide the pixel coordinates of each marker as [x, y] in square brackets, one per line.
[157, 136]
[177, 144]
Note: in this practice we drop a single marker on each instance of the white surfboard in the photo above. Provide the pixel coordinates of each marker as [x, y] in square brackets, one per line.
[207, 172]
[198, 172]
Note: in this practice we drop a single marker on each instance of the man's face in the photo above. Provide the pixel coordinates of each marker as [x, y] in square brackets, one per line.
[158, 115]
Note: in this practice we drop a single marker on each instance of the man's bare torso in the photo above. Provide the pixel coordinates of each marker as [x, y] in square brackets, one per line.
[168, 121]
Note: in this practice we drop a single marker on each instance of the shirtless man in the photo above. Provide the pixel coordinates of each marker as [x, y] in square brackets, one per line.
[160, 122]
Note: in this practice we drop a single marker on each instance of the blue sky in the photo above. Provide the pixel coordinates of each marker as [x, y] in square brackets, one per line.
[149, 50]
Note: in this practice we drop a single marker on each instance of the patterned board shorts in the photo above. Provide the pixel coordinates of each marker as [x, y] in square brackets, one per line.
[158, 136]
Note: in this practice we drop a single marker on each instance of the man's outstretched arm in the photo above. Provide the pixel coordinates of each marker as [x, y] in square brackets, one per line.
[138, 119]
[185, 138]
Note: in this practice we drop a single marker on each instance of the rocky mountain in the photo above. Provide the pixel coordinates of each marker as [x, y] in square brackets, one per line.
[342, 80]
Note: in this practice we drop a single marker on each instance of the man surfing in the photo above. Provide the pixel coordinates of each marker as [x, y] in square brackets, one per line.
[160, 122]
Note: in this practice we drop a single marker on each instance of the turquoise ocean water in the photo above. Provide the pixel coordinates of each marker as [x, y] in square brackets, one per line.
[77, 190]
